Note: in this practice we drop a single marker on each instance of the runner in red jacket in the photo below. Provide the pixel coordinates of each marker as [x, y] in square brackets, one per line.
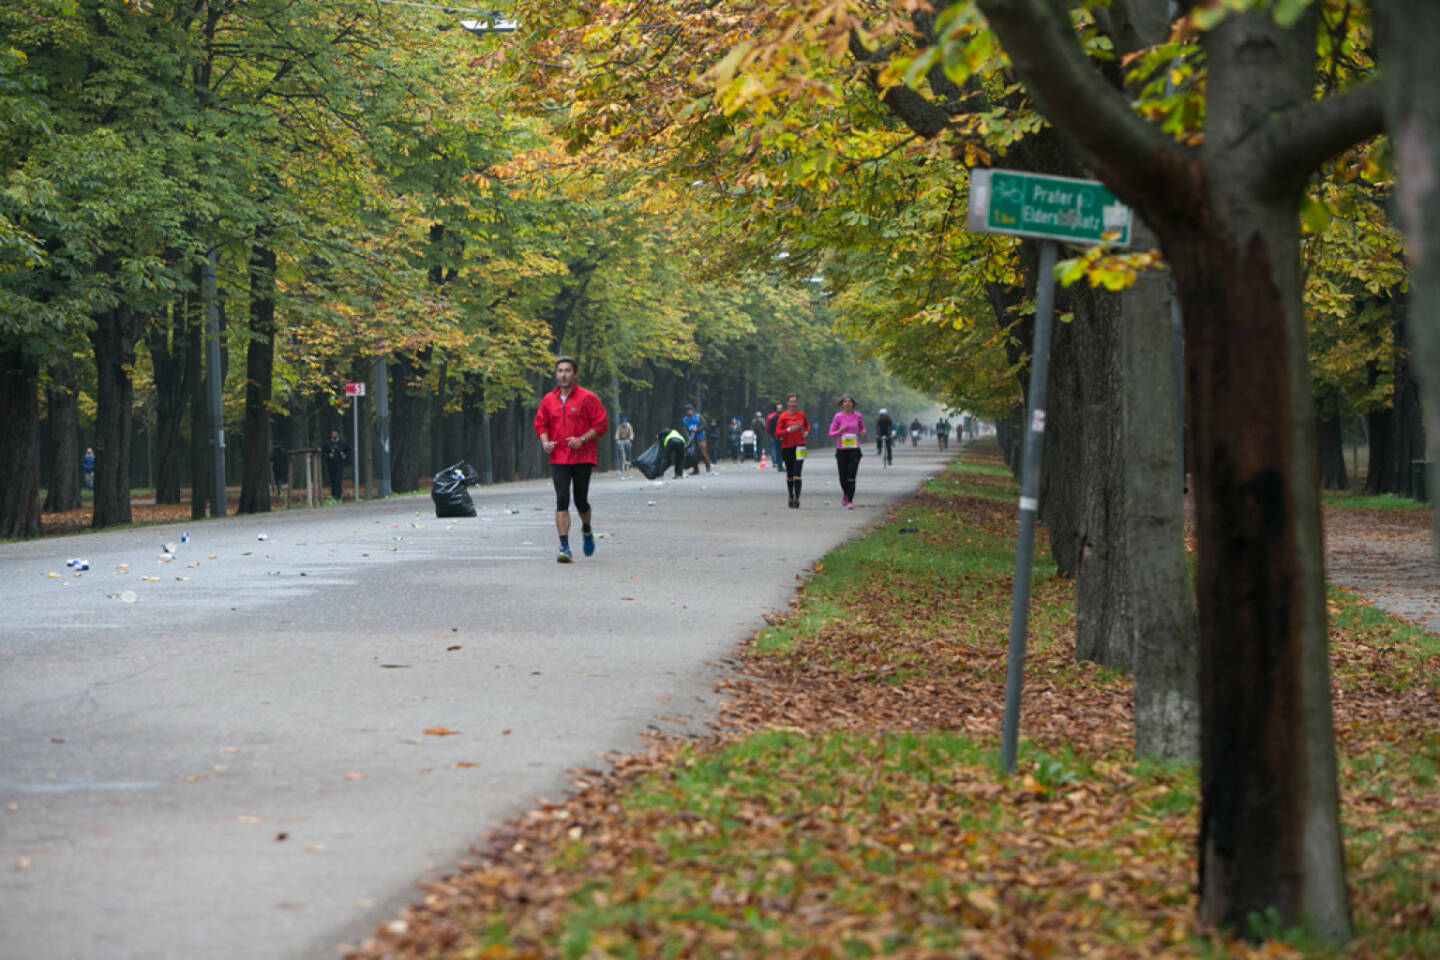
[568, 421]
[792, 428]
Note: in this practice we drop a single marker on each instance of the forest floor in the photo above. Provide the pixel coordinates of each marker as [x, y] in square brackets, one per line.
[848, 802]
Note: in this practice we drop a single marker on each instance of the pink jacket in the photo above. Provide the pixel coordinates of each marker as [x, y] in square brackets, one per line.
[844, 423]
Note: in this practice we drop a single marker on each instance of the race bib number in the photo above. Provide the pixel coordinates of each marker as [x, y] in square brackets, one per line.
[848, 441]
[799, 453]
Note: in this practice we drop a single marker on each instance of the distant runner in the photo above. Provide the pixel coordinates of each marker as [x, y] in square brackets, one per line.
[568, 421]
[848, 428]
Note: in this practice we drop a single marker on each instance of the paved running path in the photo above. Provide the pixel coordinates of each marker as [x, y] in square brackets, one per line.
[1392, 563]
[236, 765]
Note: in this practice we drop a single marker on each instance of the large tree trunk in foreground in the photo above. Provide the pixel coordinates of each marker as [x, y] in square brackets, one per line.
[259, 381]
[1227, 216]
[1410, 34]
[19, 444]
[63, 487]
[1269, 817]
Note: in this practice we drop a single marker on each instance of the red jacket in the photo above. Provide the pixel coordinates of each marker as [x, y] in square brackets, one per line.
[579, 412]
[792, 438]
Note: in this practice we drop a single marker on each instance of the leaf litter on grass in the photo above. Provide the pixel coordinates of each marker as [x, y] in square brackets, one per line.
[848, 804]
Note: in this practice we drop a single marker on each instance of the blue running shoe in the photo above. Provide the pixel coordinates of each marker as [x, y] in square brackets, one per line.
[589, 544]
[564, 556]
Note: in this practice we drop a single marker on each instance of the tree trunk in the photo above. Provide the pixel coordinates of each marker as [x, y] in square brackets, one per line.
[1082, 502]
[1380, 430]
[1227, 215]
[195, 385]
[19, 444]
[1269, 824]
[1409, 32]
[1331, 453]
[259, 380]
[1163, 632]
[113, 338]
[63, 490]
[167, 342]
[407, 417]
[1407, 438]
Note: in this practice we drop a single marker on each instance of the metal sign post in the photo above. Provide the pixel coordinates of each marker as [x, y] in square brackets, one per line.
[1050, 209]
[1029, 503]
[355, 390]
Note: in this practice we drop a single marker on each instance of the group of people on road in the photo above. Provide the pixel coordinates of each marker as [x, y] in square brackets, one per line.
[570, 418]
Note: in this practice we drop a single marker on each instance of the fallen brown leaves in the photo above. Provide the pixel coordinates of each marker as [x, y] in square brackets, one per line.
[804, 828]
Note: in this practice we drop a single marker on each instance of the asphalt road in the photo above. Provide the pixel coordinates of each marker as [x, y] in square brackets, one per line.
[237, 765]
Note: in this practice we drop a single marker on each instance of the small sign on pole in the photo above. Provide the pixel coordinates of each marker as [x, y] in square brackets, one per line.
[355, 390]
[1046, 208]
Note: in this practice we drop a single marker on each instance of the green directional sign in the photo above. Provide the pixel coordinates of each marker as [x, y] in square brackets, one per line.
[1048, 208]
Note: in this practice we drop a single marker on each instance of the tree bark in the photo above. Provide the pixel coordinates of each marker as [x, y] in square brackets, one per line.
[259, 380]
[195, 387]
[1330, 452]
[407, 417]
[166, 342]
[1409, 33]
[1227, 217]
[1407, 437]
[19, 443]
[1379, 430]
[63, 489]
[114, 336]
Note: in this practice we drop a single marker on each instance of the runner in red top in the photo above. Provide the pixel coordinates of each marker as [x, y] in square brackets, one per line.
[792, 427]
[568, 421]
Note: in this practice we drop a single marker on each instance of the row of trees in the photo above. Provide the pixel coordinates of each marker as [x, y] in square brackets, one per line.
[655, 187]
[1244, 134]
[328, 184]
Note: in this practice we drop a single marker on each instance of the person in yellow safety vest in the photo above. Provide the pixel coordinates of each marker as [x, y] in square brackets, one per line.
[673, 443]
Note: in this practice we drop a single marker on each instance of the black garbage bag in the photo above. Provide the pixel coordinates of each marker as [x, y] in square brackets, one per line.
[447, 489]
[692, 452]
[652, 462]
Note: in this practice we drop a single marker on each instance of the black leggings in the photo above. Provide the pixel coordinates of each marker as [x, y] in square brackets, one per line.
[848, 462]
[793, 466]
[565, 473]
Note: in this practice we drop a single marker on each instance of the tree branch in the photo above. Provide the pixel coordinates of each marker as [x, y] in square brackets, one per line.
[912, 107]
[1117, 144]
[1302, 139]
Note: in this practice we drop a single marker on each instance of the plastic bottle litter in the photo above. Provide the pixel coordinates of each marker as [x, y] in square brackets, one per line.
[185, 537]
[169, 548]
[82, 564]
[652, 503]
[262, 537]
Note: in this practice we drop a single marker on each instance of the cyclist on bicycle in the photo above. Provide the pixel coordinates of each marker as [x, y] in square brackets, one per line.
[883, 426]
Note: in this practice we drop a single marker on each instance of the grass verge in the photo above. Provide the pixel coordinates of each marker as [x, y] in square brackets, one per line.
[851, 807]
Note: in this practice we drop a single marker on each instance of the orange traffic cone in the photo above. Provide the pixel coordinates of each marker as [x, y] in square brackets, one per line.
[764, 462]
